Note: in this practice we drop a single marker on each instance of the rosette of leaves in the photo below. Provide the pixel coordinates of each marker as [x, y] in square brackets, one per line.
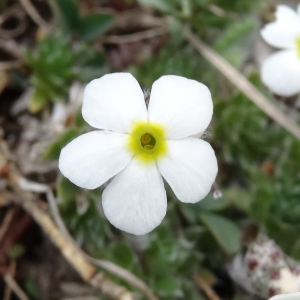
[55, 64]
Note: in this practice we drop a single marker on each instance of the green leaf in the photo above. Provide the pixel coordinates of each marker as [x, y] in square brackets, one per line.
[66, 190]
[122, 254]
[200, 2]
[240, 198]
[94, 25]
[226, 233]
[263, 196]
[69, 13]
[31, 288]
[295, 251]
[235, 34]
[37, 101]
[53, 151]
[209, 203]
[168, 286]
[15, 251]
[161, 5]
[79, 121]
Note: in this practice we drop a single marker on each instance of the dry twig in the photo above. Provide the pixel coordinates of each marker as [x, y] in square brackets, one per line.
[7, 293]
[124, 274]
[13, 13]
[218, 11]
[242, 84]
[10, 281]
[7, 65]
[104, 264]
[82, 298]
[34, 15]
[12, 47]
[135, 37]
[205, 287]
[8, 289]
[5, 223]
[69, 250]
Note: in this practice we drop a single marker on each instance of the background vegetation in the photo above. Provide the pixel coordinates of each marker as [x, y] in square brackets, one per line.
[45, 60]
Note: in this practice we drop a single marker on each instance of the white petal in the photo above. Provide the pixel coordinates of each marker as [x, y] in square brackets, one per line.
[183, 106]
[135, 201]
[93, 158]
[281, 73]
[283, 32]
[295, 296]
[114, 102]
[190, 168]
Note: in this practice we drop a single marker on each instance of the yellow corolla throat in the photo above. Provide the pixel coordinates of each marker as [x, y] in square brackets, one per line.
[298, 46]
[147, 141]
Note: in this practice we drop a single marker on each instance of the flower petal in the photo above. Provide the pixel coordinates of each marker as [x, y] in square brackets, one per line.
[183, 106]
[114, 102]
[93, 158]
[190, 168]
[283, 32]
[295, 296]
[135, 201]
[281, 73]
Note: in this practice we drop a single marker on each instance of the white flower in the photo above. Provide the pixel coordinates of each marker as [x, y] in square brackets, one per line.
[281, 71]
[295, 296]
[138, 145]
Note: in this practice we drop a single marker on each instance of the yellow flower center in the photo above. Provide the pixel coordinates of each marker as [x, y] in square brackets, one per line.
[147, 141]
[298, 46]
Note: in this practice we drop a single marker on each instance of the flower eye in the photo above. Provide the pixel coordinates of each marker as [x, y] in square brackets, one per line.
[148, 141]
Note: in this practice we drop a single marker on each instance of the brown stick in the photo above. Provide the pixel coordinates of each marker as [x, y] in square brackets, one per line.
[70, 252]
[205, 287]
[7, 219]
[12, 47]
[134, 37]
[242, 83]
[104, 264]
[7, 65]
[10, 281]
[34, 15]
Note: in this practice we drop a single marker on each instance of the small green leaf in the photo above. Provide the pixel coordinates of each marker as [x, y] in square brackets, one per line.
[263, 196]
[295, 251]
[94, 25]
[122, 254]
[79, 121]
[168, 286]
[66, 190]
[15, 251]
[226, 233]
[69, 13]
[209, 203]
[161, 5]
[31, 288]
[200, 2]
[240, 198]
[37, 101]
[53, 151]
